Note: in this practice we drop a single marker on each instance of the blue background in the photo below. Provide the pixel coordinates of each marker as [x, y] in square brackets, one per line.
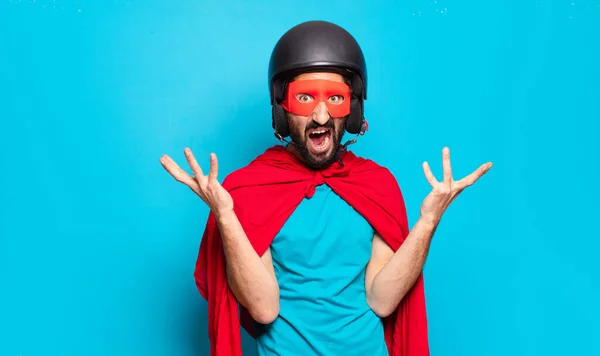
[98, 242]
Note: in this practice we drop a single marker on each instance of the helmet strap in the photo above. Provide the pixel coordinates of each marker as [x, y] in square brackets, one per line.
[364, 128]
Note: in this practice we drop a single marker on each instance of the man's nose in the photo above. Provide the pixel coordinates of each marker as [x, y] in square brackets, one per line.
[321, 114]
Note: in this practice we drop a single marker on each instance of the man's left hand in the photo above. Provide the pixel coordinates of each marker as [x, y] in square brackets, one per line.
[444, 192]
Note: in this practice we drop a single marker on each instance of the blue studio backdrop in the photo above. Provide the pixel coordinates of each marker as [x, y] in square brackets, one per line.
[98, 243]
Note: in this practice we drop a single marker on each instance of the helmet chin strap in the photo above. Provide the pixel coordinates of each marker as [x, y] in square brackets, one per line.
[364, 128]
[280, 138]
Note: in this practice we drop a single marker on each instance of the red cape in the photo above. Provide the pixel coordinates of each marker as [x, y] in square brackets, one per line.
[265, 194]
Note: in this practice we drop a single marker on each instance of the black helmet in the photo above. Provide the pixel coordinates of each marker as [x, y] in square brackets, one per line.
[317, 46]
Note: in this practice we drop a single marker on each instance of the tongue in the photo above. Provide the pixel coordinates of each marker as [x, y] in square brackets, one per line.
[318, 139]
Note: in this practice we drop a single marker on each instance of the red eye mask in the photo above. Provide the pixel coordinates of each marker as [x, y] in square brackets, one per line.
[303, 96]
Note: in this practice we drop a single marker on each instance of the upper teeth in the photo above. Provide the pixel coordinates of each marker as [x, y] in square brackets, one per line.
[319, 132]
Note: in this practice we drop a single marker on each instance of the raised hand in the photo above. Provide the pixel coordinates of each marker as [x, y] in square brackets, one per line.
[444, 192]
[206, 187]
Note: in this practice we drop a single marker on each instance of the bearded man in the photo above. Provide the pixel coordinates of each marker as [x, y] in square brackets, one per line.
[309, 240]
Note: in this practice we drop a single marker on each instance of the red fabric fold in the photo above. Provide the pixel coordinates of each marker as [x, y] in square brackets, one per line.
[265, 194]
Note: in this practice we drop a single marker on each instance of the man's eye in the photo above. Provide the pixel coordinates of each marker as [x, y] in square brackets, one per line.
[336, 99]
[304, 98]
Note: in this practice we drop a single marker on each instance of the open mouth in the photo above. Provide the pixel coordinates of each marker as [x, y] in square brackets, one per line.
[320, 140]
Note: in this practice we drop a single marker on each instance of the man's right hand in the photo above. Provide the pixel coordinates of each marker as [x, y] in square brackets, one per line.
[207, 187]
[251, 277]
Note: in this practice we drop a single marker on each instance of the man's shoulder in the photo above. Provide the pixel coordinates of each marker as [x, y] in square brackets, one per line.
[363, 162]
[255, 166]
[237, 174]
[375, 171]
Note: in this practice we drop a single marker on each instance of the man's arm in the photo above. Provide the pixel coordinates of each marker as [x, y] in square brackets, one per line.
[389, 276]
[251, 278]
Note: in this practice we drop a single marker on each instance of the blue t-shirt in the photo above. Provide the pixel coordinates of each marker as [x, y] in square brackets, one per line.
[320, 256]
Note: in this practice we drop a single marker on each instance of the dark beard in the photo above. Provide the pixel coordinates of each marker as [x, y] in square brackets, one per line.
[319, 162]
